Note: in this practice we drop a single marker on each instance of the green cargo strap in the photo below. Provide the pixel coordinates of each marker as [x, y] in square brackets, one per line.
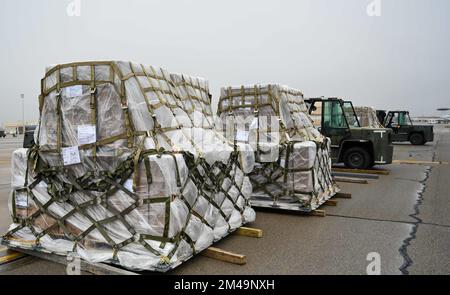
[148, 172]
[103, 142]
[289, 148]
[14, 214]
[256, 112]
[93, 105]
[166, 223]
[177, 171]
[242, 95]
[58, 114]
[136, 160]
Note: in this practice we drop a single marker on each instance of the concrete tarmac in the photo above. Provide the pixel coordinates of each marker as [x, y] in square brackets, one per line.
[403, 217]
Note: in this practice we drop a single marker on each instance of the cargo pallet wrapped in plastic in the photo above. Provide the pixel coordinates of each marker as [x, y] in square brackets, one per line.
[128, 169]
[367, 117]
[293, 164]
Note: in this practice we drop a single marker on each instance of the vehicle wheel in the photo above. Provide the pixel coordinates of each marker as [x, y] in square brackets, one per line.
[357, 158]
[417, 139]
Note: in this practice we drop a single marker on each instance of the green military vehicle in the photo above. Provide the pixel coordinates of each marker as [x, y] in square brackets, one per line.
[404, 130]
[357, 147]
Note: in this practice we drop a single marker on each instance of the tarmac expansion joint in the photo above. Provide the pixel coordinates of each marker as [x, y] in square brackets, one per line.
[415, 215]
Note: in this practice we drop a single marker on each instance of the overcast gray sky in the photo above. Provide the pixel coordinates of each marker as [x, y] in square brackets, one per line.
[322, 47]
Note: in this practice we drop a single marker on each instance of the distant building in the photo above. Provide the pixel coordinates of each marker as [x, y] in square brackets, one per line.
[431, 120]
[16, 127]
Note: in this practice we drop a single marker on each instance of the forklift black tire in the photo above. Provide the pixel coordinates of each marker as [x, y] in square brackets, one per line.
[417, 139]
[357, 158]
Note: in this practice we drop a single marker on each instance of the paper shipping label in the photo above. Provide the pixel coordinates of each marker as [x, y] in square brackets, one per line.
[86, 134]
[71, 155]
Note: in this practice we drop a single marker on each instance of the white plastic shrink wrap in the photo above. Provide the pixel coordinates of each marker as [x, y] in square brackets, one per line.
[293, 163]
[128, 169]
[367, 117]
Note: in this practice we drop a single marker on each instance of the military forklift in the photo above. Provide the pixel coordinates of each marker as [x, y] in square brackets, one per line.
[404, 130]
[355, 146]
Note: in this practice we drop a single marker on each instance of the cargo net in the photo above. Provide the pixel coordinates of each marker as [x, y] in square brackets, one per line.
[367, 117]
[293, 164]
[128, 169]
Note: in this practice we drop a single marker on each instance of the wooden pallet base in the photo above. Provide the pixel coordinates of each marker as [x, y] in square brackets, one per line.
[94, 268]
[14, 253]
[17, 263]
[8, 256]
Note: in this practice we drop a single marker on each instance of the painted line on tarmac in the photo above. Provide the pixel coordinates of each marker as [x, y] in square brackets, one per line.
[418, 162]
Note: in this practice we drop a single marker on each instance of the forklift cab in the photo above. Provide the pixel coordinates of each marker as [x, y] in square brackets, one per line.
[350, 114]
[397, 119]
[329, 117]
[400, 123]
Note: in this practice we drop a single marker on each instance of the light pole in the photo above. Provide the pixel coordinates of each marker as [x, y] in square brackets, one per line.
[22, 96]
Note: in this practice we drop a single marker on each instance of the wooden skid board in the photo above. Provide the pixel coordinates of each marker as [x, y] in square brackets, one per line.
[9, 255]
[249, 232]
[331, 203]
[343, 196]
[364, 171]
[321, 213]
[17, 263]
[225, 256]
